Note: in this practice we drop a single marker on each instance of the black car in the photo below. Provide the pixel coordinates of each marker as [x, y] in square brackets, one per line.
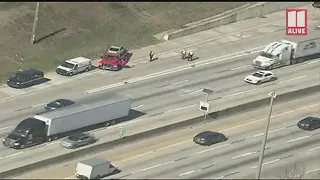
[58, 104]
[25, 78]
[309, 123]
[208, 138]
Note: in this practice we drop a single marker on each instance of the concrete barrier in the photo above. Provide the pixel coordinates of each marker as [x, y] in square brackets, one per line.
[159, 131]
[239, 14]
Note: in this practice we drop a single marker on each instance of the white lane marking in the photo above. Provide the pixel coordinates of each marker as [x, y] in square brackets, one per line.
[211, 149]
[180, 82]
[241, 67]
[38, 105]
[275, 130]
[313, 62]
[313, 149]
[55, 142]
[178, 69]
[173, 145]
[171, 110]
[276, 115]
[308, 172]
[297, 139]
[192, 92]
[189, 172]
[5, 128]
[134, 157]
[221, 177]
[11, 155]
[238, 93]
[245, 154]
[270, 162]
[141, 105]
[301, 77]
[158, 165]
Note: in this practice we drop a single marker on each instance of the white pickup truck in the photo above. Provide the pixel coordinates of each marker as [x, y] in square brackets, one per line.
[292, 50]
[95, 168]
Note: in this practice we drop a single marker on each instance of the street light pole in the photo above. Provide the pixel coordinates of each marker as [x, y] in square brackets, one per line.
[33, 37]
[273, 95]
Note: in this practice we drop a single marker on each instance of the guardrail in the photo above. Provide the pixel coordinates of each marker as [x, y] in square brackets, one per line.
[159, 131]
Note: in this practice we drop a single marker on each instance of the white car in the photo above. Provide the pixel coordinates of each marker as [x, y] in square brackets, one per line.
[260, 77]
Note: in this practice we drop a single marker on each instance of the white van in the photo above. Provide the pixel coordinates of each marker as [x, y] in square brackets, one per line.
[74, 66]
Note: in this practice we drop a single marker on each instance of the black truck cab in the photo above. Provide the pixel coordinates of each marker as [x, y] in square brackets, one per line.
[28, 132]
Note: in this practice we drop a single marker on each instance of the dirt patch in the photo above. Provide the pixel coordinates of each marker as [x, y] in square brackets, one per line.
[67, 30]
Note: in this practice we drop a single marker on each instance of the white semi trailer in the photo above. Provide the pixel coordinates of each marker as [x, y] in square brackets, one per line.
[292, 50]
[50, 125]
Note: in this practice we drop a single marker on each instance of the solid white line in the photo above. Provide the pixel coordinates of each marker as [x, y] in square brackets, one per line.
[243, 155]
[189, 172]
[5, 128]
[173, 145]
[297, 139]
[316, 148]
[213, 148]
[137, 106]
[293, 79]
[238, 93]
[134, 157]
[241, 67]
[221, 177]
[275, 130]
[11, 155]
[38, 105]
[156, 166]
[308, 172]
[180, 82]
[192, 92]
[314, 62]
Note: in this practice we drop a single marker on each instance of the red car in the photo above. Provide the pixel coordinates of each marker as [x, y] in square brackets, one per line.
[114, 58]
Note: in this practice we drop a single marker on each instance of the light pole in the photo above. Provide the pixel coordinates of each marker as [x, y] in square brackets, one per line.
[273, 95]
[33, 36]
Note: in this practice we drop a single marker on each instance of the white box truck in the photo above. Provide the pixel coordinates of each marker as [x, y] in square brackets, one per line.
[50, 125]
[292, 50]
[95, 168]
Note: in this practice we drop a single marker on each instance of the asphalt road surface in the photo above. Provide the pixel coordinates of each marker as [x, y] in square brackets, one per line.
[165, 93]
[174, 155]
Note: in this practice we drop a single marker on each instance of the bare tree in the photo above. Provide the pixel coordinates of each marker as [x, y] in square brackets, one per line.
[294, 171]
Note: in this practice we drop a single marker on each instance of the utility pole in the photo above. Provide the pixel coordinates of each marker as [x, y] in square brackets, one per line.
[33, 37]
[273, 95]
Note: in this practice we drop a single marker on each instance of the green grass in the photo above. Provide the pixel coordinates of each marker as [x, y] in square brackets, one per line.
[90, 29]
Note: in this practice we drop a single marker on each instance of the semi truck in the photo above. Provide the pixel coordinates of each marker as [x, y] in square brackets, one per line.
[51, 125]
[95, 168]
[292, 50]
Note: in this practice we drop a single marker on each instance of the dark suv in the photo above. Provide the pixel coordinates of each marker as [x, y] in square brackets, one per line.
[25, 78]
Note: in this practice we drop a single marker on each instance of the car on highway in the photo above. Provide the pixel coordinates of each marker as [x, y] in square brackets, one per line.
[114, 58]
[25, 78]
[74, 66]
[77, 140]
[260, 77]
[59, 103]
[309, 123]
[208, 138]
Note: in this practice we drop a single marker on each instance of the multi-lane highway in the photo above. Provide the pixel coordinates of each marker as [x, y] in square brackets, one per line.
[166, 89]
[174, 155]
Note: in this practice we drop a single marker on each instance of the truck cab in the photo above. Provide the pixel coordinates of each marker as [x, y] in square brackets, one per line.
[275, 55]
[29, 132]
[114, 58]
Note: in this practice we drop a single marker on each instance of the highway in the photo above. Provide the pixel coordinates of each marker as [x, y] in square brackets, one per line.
[171, 90]
[174, 155]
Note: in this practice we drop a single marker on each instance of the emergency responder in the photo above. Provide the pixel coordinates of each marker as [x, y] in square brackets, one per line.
[190, 56]
[183, 54]
[151, 54]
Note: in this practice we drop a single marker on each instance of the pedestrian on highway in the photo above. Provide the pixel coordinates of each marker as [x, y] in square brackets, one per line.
[183, 54]
[151, 54]
[190, 56]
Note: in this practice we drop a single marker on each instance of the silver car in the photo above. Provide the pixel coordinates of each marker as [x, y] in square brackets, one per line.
[260, 77]
[77, 140]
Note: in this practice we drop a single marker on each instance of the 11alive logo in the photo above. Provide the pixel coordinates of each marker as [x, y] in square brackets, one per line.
[296, 22]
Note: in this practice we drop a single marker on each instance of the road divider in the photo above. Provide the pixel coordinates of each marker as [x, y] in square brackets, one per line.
[281, 98]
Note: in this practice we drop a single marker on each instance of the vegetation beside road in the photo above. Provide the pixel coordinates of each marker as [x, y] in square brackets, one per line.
[67, 30]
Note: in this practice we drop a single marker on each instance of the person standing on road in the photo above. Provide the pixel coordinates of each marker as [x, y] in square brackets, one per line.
[183, 54]
[190, 56]
[151, 54]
